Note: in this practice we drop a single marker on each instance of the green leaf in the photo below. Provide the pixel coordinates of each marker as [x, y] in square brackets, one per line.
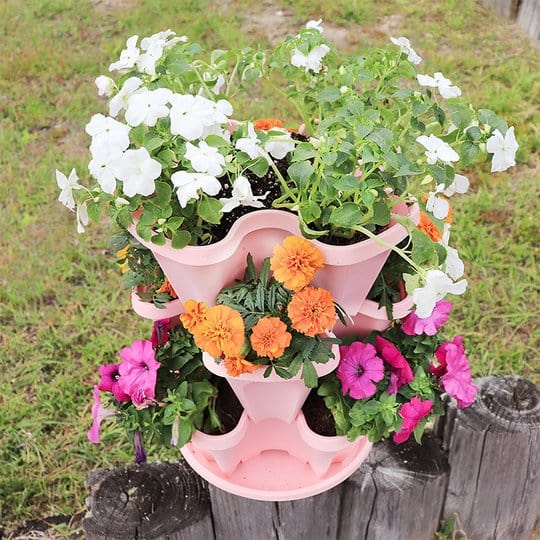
[346, 216]
[216, 141]
[469, 152]
[162, 194]
[382, 137]
[94, 211]
[300, 172]
[486, 116]
[423, 248]
[259, 167]
[152, 142]
[347, 183]
[209, 209]
[461, 115]
[329, 94]
[309, 375]
[419, 108]
[381, 213]
[180, 239]
[158, 239]
[303, 152]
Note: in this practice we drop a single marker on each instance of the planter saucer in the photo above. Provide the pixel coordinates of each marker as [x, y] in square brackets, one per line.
[274, 475]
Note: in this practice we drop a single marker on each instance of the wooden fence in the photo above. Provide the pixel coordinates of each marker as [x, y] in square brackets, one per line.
[525, 12]
[481, 464]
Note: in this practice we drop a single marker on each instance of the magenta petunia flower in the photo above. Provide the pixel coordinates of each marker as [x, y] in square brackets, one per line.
[109, 382]
[358, 368]
[138, 371]
[455, 372]
[99, 413]
[413, 325]
[412, 413]
[160, 332]
[401, 372]
[140, 453]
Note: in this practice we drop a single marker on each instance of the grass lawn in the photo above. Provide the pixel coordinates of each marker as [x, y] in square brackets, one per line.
[63, 309]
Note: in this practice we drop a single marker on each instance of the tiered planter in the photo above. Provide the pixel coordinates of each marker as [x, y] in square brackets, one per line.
[148, 310]
[272, 454]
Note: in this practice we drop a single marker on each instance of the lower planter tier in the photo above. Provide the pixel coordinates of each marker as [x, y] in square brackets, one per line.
[274, 460]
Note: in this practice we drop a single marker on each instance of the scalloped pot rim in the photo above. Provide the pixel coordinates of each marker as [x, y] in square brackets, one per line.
[280, 220]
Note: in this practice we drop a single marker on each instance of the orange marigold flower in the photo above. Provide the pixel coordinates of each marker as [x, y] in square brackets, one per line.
[194, 314]
[236, 365]
[270, 337]
[312, 311]
[427, 226]
[266, 124]
[221, 333]
[166, 287]
[449, 216]
[295, 262]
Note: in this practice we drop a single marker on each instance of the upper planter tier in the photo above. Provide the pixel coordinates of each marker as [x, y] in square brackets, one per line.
[200, 272]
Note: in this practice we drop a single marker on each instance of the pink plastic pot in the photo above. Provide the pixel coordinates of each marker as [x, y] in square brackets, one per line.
[150, 311]
[273, 396]
[200, 272]
[372, 317]
[274, 460]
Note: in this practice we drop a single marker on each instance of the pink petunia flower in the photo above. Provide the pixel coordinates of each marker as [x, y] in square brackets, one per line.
[412, 413]
[455, 372]
[413, 325]
[401, 372]
[99, 413]
[138, 371]
[358, 368]
[109, 382]
[160, 332]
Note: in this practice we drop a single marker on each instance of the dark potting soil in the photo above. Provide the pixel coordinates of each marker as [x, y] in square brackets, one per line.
[318, 417]
[228, 408]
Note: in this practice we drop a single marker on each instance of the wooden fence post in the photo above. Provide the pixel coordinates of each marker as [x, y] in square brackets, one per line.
[149, 501]
[494, 455]
[397, 494]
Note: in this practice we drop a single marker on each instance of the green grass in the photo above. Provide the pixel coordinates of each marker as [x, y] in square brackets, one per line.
[62, 307]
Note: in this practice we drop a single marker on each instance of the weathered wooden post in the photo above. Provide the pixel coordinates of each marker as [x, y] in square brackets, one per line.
[397, 493]
[149, 501]
[494, 455]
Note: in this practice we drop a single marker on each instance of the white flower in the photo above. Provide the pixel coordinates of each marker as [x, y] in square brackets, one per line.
[220, 83]
[67, 186]
[82, 217]
[147, 106]
[437, 149]
[147, 61]
[313, 60]
[251, 145]
[188, 185]
[405, 45]
[105, 85]
[446, 89]
[279, 146]
[205, 159]
[108, 131]
[162, 39]
[101, 166]
[315, 25]
[137, 170]
[128, 57]
[459, 185]
[242, 195]
[437, 286]
[453, 265]
[436, 205]
[120, 101]
[503, 148]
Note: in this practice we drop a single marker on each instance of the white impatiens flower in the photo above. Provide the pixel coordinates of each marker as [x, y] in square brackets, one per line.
[444, 85]
[147, 106]
[437, 149]
[503, 148]
[205, 158]
[459, 185]
[82, 217]
[405, 45]
[101, 167]
[251, 145]
[313, 60]
[315, 25]
[162, 39]
[220, 83]
[438, 206]
[437, 286]
[279, 146]
[108, 131]
[120, 100]
[188, 185]
[137, 170]
[242, 195]
[67, 185]
[453, 265]
[147, 61]
[105, 86]
[128, 57]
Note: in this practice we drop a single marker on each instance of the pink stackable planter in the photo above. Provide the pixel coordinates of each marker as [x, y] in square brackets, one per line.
[148, 310]
[200, 272]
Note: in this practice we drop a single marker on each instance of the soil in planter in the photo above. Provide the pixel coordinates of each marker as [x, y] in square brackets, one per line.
[318, 417]
[228, 408]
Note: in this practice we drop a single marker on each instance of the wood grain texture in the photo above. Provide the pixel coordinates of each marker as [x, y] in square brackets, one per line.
[148, 501]
[504, 8]
[494, 455]
[397, 493]
[529, 17]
